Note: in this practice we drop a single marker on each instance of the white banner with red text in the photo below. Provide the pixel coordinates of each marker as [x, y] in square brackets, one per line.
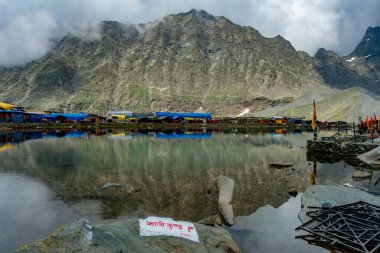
[156, 226]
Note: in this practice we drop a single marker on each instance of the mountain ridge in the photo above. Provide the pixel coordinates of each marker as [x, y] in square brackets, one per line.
[183, 61]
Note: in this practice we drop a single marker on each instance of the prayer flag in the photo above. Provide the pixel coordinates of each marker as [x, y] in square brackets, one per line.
[314, 119]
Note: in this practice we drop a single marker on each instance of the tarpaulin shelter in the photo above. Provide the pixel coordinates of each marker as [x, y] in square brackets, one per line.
[176, 115]
[11, 116]
[32, 117]
[54, 117]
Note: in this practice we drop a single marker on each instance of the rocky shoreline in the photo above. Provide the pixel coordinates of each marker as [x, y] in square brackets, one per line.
[341, 145]
[126, 236]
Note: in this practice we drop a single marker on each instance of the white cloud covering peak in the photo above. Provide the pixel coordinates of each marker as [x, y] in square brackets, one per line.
[28, 27]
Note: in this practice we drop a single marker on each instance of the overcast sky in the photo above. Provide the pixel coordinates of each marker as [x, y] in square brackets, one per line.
[27, 26]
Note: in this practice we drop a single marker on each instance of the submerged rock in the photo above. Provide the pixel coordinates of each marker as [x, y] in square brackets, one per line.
[110, 185]
[281, 165]
[124, 236]
[226, 190]
[333, 195]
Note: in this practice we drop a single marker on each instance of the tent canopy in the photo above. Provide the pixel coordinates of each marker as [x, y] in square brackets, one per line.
[6, 106]
[174, 115]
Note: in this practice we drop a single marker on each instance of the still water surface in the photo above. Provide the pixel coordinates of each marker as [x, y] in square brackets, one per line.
[50, 178]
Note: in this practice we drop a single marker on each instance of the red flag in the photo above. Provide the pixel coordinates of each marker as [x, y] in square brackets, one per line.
[366, 121]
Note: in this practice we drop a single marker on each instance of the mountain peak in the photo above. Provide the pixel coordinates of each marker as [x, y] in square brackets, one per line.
[370, 44]
[199, 13]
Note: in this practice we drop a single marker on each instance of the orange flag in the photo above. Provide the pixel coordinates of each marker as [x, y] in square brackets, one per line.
[314, 119]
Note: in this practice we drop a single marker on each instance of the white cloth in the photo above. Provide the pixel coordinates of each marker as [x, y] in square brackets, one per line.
[157, 226]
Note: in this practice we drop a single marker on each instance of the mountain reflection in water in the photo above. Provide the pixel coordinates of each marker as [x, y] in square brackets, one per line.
[268, 230]
[107, 174]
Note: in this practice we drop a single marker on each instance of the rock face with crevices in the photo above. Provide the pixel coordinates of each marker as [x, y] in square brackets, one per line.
[123, 236]
[181, 62]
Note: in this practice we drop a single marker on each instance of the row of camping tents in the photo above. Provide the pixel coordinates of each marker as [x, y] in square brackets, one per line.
[160, 117]
[13, 114]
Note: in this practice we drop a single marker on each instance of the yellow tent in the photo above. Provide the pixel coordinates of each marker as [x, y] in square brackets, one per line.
[5, 106]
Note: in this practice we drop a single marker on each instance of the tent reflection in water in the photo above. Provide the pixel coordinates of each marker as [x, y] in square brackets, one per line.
[6, 147]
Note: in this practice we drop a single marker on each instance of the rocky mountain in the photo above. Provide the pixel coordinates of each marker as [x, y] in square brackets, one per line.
[354, 81]
[360, 68]
[182, 62]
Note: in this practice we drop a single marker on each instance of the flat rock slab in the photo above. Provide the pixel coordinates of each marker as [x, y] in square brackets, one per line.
[124, 236]
[333, 195]
[226, 191]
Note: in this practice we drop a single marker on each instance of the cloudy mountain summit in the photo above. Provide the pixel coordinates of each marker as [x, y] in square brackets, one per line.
[183, 62]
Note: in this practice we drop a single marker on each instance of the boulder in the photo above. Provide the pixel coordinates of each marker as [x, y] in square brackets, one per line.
[124, 236]
[333, 195]
[226, 190]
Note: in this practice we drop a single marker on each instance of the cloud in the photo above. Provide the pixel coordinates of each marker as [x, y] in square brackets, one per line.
[26, 37]
[27, 27]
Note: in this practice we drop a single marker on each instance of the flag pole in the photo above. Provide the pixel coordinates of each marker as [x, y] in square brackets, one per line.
[314, 121]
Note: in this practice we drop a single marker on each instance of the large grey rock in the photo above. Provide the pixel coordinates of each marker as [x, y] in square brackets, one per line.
[333, 195]
[124, 236]
[226, 190]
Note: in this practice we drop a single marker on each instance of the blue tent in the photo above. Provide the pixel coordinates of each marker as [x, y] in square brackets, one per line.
[32, 117]
[78, 117]
[175, 115]
[14, 116]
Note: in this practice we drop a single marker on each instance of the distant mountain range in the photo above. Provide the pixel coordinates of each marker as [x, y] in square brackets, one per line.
[195, 61]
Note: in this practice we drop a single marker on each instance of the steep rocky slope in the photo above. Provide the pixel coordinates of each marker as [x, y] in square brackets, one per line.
[182, 62]
[354, 81]
[186, 62]
[360, 68]
[347, 104]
